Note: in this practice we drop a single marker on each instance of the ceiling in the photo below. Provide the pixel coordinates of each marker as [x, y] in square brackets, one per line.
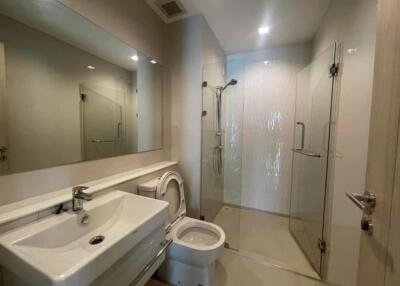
[236, 22]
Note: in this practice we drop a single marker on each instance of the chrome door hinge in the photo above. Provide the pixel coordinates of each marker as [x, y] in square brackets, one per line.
[334, 70]
[3, 153]
[322, 245]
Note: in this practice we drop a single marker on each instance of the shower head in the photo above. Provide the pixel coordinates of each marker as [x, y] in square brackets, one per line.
[232, 82]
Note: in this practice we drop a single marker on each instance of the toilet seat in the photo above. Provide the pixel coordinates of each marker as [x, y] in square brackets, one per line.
[187, 232]
[195, 252]
[170, 189]
[197, 234]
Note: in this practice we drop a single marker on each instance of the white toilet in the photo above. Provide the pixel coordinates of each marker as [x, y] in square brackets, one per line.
[196, 244]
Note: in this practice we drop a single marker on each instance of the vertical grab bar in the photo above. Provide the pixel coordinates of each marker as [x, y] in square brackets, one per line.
[303, 133]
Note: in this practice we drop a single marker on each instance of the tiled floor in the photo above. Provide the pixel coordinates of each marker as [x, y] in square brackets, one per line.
[263, 237]
[234, 269]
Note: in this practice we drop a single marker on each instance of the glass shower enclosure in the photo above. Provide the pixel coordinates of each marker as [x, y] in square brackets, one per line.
[212, 165]
[249, 158]
[221, 150]
[311, 155]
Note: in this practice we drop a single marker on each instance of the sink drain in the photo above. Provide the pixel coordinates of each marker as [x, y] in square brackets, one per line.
[96, 240]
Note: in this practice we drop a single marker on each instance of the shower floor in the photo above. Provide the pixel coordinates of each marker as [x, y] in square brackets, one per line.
[265, 237]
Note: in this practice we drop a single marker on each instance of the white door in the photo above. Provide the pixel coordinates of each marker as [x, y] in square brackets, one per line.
[380, 250]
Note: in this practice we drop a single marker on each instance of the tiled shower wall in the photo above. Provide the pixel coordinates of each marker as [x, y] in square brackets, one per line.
[259, 127]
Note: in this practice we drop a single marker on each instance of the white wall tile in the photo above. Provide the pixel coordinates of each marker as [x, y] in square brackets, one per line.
[266, 120]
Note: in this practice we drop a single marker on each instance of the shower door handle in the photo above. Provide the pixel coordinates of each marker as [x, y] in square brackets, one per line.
[119, 131]
[306, 153]
[303, 133]
[104, 141]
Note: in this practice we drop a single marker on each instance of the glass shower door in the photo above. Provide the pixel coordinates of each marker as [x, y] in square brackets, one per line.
[212, 184]
[220, 174]
[310, 155]
[101, 125]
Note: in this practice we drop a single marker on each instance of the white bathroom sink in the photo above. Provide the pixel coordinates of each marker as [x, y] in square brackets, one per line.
[56, 250]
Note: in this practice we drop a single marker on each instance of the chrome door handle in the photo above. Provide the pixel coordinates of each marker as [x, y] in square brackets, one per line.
[303, 133]
[309, 154]
[119, 130]
[365, 202]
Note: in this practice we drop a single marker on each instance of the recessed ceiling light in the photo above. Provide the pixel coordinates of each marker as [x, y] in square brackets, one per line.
[352, 51]
[153, 62]
[135, 58]
[91, 67]
[263, 30]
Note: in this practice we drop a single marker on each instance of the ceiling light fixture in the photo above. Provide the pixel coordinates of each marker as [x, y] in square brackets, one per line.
[352, 51]
[91, 67]
[135, 58]
[153, 62]
[263, 30]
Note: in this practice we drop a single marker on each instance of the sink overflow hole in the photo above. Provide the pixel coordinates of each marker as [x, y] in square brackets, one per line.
[96, 240]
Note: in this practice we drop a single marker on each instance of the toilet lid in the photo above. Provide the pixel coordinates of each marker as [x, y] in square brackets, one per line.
[170, 189]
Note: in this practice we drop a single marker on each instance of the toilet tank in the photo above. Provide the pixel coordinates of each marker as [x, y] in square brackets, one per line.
[149, 188]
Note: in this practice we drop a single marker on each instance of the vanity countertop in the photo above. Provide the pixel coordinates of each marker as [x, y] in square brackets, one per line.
[14, 211]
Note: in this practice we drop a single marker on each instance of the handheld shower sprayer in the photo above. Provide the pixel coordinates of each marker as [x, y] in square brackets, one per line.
[231, 82]
[218, 155]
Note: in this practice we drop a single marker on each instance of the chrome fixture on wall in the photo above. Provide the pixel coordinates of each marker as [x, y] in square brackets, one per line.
[217, 154]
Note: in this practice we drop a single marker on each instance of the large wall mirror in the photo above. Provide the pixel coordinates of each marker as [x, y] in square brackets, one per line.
[70, 91]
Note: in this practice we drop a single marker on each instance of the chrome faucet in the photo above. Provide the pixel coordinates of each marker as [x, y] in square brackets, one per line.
[78, 196]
